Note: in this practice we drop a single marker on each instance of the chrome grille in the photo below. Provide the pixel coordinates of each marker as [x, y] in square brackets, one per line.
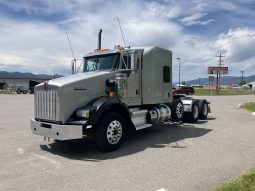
[46, 105]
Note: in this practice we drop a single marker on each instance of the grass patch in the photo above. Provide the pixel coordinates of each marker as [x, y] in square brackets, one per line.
[245, 182]
[206, 92]
[249, 106]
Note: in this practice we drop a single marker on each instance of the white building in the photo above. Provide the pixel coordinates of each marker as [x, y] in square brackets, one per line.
[250, 85]
[14, 83]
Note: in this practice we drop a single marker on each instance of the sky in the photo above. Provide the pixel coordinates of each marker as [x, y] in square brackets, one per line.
[33, 32]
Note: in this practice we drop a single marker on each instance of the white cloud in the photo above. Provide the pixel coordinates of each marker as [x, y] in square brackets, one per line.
[12, 59]
[36, 44]
[40, 46]
[238, 45]
[155, 9]
[48, 7]
[195, 19]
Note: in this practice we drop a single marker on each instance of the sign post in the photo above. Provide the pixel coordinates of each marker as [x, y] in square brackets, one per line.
[211, 80]
[218, 70]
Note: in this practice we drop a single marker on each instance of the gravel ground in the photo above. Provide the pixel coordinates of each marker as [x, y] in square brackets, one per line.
[188, 157]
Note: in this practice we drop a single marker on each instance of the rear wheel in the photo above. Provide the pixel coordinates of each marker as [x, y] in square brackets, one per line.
[110, 132]
[177, 110]
[194, 114]
[203, 109]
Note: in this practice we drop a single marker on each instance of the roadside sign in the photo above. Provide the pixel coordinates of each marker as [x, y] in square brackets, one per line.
[217, 70]
[211, 78]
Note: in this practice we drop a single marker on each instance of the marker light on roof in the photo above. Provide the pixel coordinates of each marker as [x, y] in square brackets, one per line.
[102, 50]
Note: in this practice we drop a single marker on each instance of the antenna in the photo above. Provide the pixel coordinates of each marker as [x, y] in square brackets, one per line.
[73, 63]
[121, 32]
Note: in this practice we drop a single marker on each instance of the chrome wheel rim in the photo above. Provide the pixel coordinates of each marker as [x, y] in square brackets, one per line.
[179, 110]
[195, 111]
[114, 132]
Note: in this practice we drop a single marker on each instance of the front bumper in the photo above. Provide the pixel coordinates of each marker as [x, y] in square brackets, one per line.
[56, 131]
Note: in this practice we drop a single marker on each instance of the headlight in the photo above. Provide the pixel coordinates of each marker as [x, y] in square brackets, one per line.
[83, 113]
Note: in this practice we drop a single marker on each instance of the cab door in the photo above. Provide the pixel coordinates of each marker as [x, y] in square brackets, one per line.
[134, 82]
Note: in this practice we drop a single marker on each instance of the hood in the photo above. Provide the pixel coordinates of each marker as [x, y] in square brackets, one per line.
[59, 82]
[66, 94]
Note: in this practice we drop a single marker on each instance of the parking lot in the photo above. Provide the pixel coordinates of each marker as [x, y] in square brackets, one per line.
[170, 157]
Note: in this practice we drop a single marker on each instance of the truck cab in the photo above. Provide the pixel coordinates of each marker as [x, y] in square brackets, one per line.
[119, 90]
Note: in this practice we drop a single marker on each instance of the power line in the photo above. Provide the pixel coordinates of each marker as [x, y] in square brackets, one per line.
[218, 75]
[242, 72]
[220, 60]
[179, 71]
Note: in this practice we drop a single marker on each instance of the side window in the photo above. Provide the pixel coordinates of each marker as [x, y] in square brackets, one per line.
[127, 62]
[166, 74]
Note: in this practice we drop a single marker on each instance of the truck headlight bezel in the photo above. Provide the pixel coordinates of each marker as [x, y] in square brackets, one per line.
[83, 113]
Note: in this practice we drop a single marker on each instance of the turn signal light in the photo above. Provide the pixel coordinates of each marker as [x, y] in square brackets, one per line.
[111, 94]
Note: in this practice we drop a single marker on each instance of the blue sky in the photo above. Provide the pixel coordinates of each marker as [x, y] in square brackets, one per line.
[33, 38]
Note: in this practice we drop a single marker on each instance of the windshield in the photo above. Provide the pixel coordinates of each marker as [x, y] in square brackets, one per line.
[101, 62]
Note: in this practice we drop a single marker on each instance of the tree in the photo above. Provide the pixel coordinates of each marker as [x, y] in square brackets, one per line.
[242, 82]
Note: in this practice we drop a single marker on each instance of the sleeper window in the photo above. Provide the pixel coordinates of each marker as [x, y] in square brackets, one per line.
[166, 74]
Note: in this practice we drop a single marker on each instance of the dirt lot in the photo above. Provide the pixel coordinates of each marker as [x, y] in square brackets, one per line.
[190, 157]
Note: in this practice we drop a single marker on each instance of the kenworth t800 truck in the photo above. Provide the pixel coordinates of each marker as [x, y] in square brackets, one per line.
[119, 90]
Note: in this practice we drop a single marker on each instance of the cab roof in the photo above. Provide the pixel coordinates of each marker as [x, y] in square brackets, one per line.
[118, 50]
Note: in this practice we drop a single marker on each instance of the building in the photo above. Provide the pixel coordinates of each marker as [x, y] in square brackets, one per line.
[23, 83]
[250, 85]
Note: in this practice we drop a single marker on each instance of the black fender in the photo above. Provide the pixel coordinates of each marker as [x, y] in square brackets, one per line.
[98, 106]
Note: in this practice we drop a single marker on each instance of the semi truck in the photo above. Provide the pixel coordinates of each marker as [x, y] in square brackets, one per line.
[119, 91]
[20, 89]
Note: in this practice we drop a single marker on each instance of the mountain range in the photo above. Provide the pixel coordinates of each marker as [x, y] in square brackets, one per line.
[225, 80]
[4, 74]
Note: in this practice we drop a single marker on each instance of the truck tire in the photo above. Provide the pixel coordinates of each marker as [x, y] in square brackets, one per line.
[24, 91]
[192, 116]
[203, 109]
[110, 132]
[177, 110]
[18, 92]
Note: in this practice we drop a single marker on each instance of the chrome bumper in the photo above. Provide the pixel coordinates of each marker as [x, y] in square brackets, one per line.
[56, 131]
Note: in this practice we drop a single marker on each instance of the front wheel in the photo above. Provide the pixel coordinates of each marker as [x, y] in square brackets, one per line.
[110, 132]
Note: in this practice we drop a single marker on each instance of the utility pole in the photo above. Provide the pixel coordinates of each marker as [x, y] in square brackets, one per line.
[179, 70]
[242, 72]
[218, 75]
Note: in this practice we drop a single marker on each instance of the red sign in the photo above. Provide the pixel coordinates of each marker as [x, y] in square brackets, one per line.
[218, 70]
